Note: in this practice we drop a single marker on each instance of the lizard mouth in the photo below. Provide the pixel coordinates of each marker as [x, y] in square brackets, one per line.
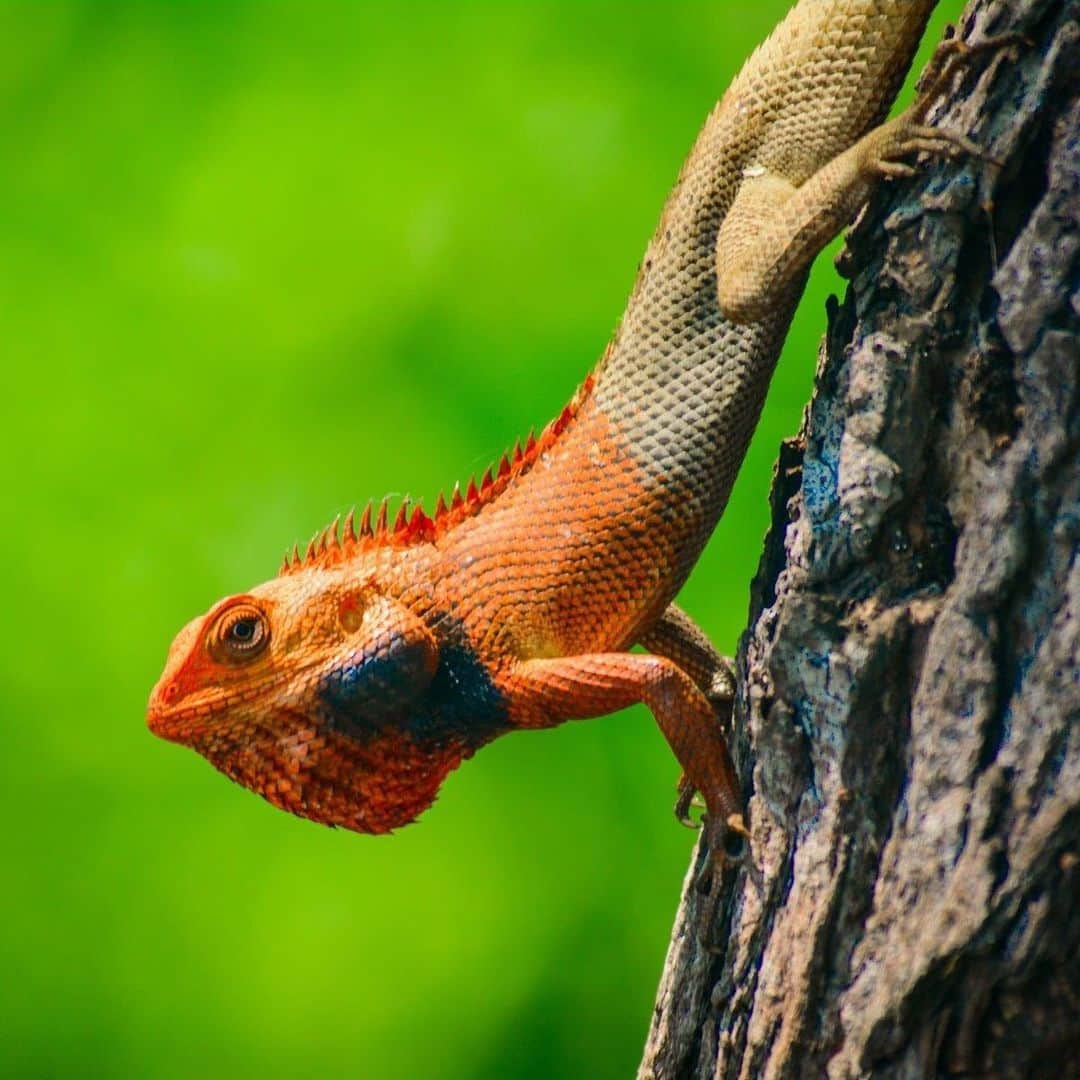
[190, 718]
[166, 722]
[183, 722]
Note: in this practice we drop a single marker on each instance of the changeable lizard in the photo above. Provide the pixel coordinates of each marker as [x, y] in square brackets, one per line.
[346, 688]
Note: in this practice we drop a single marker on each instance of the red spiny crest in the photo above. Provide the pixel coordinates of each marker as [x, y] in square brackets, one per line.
[338, 542]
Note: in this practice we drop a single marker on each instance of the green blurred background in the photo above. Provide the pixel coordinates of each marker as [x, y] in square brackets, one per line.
[260, 261]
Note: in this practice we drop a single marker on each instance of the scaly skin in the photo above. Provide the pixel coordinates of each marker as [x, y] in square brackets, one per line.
[345, 689]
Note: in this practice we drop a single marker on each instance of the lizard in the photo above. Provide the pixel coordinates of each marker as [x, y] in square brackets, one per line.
[349, 686]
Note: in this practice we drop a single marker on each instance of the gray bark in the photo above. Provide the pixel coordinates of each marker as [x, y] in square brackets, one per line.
[909, 683]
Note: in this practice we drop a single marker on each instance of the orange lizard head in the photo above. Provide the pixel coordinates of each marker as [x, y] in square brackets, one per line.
[339, 691]
[326, 692]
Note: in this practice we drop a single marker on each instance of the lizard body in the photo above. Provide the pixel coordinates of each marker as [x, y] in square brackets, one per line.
[345, 689]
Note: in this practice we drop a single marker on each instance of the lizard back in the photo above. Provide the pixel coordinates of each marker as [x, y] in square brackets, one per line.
[623, 503]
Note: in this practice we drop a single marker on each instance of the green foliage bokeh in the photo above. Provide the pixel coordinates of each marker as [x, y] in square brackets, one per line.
[258, 262]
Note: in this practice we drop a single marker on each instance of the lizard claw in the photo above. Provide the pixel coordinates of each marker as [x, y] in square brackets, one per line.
[923, 139]
[686, 799]
[951, 55]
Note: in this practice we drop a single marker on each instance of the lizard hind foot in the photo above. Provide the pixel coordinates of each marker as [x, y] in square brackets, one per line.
[909, 135]
[951, 56]
[914, 139]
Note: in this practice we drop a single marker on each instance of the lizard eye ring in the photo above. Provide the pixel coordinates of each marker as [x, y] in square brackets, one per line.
[240, 634]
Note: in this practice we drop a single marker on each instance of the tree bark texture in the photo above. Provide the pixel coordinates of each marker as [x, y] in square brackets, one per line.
[907, 722]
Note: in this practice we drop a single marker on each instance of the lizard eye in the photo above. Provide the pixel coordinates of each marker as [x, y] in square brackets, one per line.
[240, 634]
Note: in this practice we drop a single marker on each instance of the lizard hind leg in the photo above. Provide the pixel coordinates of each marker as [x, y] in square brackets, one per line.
[779, 219]
[775, 226]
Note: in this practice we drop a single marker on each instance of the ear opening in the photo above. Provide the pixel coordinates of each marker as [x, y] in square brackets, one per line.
[354, 606]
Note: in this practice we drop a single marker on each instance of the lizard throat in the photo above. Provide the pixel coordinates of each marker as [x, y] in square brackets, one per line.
[369, 785]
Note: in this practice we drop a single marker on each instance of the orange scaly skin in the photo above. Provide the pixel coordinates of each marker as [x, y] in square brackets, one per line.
[345, 689]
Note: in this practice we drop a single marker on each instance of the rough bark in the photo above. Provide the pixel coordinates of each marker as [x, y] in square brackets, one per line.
[909, 687]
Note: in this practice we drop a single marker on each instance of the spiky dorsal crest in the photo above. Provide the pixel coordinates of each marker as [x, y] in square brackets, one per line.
[338, 542]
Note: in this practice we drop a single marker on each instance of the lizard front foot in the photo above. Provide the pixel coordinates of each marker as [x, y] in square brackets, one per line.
[687, 799]
[718, 683]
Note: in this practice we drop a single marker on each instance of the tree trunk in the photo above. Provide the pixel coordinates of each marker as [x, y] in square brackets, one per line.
[909, 687]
